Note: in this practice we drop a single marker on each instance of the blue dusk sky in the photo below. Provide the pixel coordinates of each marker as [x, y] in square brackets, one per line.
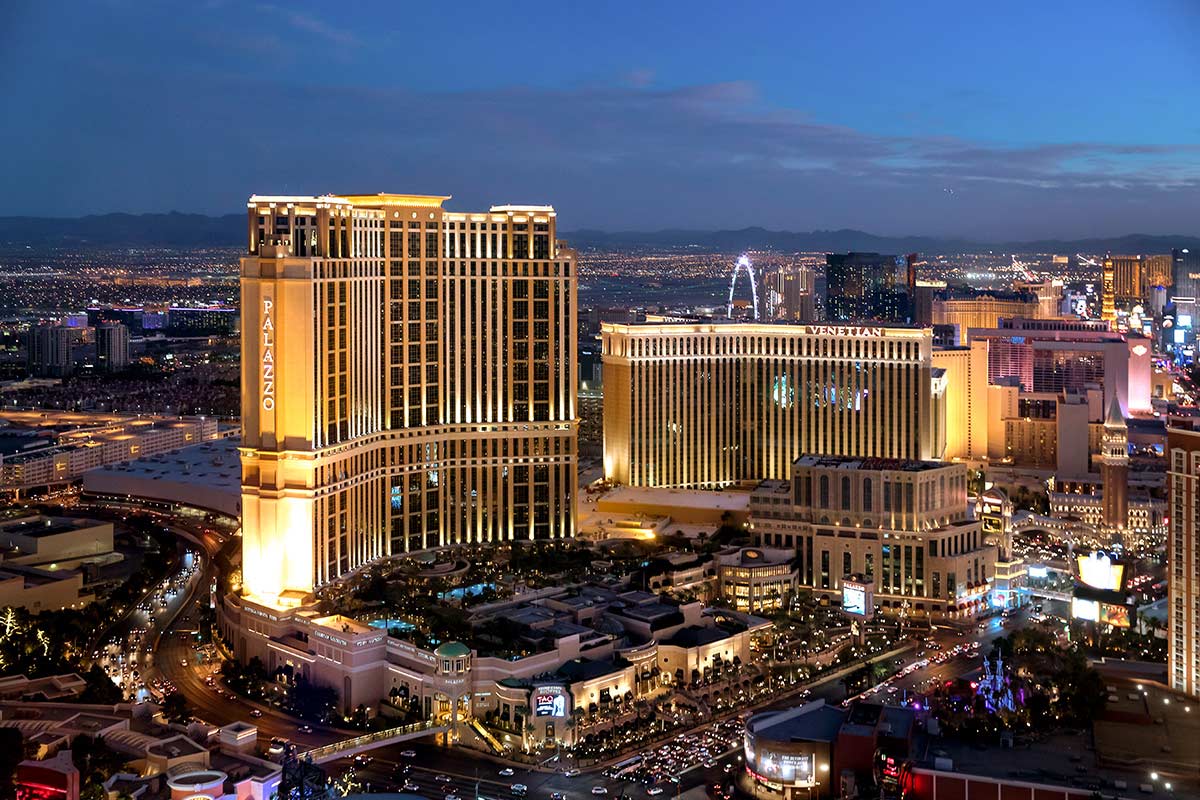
[987, 120]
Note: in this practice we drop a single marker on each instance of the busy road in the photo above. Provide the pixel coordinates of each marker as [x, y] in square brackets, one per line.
[706, 757]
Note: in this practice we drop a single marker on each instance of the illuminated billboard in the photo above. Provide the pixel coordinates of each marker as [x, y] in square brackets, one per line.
[786, 769]
[1088, 610]
[854, 600]
[858, 597]
[550, 703]
[1115, 615]
[1099, 571]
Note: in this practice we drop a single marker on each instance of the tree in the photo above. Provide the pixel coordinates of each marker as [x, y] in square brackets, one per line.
[100, 688]
[11, 753]
[313, 701]
[176, 709]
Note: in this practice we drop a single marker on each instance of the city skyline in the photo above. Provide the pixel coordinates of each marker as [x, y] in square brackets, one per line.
[787, 401]
[927, 137]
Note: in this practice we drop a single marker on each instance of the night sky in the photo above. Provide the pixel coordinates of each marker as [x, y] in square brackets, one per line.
[1067, 118]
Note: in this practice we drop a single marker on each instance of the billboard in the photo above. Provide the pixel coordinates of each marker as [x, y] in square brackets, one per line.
[854, 599]
[1114, 614]
[550, 703]
[788, 769]
[1088, 610]
[1100, 571]
[858, 597]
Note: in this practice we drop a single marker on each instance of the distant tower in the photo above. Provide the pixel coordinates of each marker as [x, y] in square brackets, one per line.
[1114, 468]
[1108, 301]
[112, 346]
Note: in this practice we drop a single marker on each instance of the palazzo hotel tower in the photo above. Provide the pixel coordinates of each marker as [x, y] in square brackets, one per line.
[408, 381]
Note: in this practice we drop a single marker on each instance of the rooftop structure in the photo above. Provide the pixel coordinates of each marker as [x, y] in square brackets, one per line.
[206, 475]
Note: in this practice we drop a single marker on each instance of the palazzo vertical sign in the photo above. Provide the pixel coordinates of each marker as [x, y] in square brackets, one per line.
[267, 390]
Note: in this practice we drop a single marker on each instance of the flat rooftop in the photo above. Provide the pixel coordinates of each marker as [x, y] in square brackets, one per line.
[690, 498]
[40, 526]
[869, 464]
[811, 722]
[212, 465]
[176, 747]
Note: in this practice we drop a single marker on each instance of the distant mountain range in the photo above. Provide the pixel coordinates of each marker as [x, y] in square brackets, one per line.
[847, 239]
[197, 230]
[125, 230]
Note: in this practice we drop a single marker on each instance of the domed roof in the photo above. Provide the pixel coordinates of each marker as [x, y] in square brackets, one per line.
[452, 650]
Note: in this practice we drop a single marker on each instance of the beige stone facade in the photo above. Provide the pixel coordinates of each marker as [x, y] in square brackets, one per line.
[408, 379]
[703, 405]
[906, 525]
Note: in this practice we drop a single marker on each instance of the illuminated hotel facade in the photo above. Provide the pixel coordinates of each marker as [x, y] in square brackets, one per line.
[410, 383]
[1183, 561]
[707, 405]
[903, 524]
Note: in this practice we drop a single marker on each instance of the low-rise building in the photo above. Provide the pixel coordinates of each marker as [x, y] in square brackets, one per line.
[529, 666]
[757, 579]
[54, 543]
[906, 525]
[51, 448]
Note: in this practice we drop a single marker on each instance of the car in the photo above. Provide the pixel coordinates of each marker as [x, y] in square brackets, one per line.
[557, 796]
[506, 772]
[255, 713]
[599, 790]
[409, 754]
[518, 788]
[452, 797]
[654, 790]
[362, 760]
[571, 773]
[443, 779]
[409, 786]
[305, 729]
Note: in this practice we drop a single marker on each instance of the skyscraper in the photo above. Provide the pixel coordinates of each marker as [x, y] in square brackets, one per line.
[1108, 291]
[1185, 289]
[868, 287]
[50, 350]
[409, 382]
[1183, 562]
[709, 405]
[1127, 277]
[112, 346]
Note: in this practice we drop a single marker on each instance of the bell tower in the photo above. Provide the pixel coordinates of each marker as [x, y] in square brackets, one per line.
[1114, 468]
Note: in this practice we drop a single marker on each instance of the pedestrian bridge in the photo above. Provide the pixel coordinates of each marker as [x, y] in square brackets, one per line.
[369, 741]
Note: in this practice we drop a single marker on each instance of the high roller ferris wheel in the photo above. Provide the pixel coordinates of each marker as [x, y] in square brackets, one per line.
[743, 262]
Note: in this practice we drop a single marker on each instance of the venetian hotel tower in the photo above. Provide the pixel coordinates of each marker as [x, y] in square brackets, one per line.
[408, 382]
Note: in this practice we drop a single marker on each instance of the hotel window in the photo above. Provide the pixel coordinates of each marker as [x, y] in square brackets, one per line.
[823, 490]
[866, 495]
[846, 563]
[845, 493]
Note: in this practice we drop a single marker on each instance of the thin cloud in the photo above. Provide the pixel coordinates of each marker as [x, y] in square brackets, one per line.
[310, 23]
